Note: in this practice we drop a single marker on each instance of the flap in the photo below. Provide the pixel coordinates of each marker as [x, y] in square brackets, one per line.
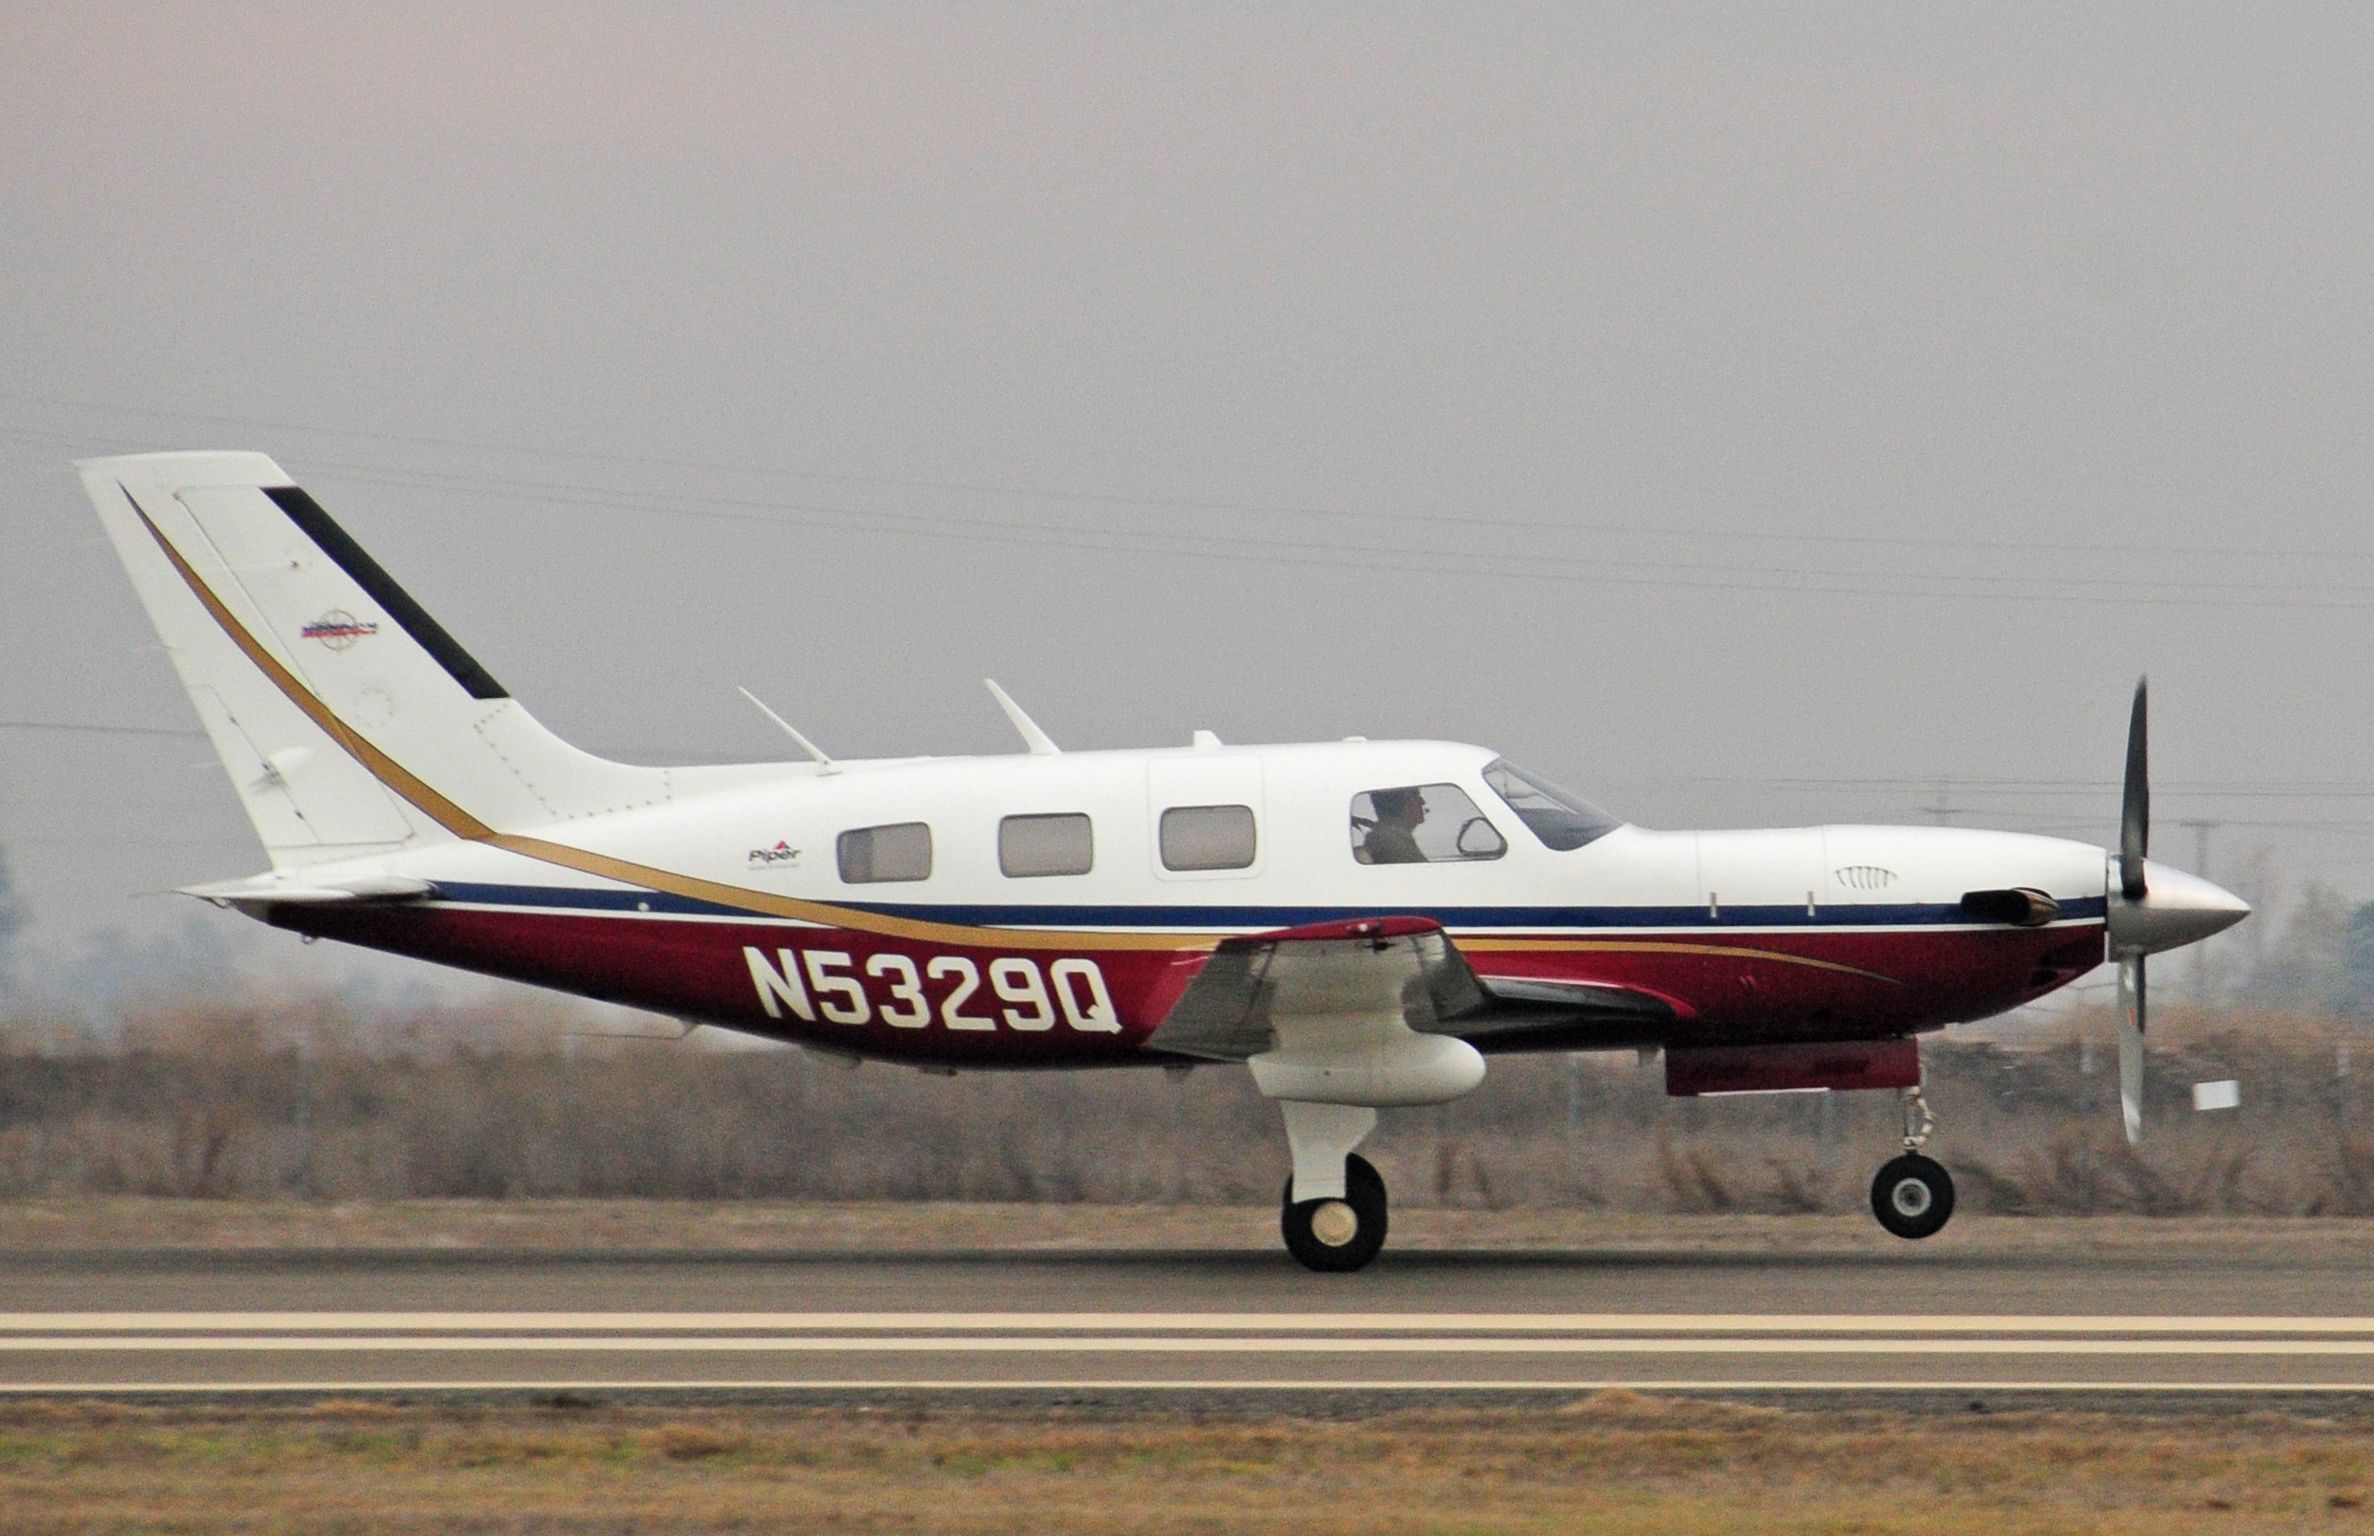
[1516, 1010]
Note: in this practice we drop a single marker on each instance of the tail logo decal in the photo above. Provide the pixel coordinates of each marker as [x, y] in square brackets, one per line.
[339, 630]
[390, 773]
[381, 588]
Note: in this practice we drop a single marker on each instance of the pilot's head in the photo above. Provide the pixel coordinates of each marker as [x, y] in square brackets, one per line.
[1399, 807]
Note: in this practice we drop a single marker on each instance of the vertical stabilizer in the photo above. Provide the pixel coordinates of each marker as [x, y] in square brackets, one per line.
[349, 720]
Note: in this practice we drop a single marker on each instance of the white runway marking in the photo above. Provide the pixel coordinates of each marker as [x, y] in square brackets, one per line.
[1051, 1351]
[1250, 1384]
[1148, 1344]
[1134, 1323]
[1178, 1334]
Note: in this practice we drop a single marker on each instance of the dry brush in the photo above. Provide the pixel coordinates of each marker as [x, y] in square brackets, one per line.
[301, 1101]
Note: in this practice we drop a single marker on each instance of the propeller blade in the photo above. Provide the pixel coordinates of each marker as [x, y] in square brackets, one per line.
[2130, 1046]
[2134, 821]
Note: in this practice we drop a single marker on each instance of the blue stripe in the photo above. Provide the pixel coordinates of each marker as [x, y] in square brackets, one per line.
[1206, 919]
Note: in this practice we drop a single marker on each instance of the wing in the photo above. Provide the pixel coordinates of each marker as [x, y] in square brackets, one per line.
[1403, 974]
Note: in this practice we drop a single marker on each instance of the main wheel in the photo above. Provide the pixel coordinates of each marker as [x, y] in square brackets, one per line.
[1913, 1195]
[1337, 1236]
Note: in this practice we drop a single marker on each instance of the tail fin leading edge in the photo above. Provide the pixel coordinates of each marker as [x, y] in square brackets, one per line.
[350, 722]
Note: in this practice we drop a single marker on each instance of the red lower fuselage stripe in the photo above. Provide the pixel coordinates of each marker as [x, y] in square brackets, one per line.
[1033, 1004]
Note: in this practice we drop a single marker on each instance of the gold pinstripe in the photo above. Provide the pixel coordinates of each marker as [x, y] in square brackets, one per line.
[1659, 947]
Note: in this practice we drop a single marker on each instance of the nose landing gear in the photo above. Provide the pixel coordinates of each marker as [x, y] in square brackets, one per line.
[1913, 1195]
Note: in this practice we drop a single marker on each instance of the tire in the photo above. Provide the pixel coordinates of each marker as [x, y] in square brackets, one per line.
[1303, 1222]
[1913, 1196]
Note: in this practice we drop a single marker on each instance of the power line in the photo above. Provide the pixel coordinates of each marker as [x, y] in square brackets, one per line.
[83, 727]
[1531, 566]
[1962, 787]
[1176, 502]
[775, 512]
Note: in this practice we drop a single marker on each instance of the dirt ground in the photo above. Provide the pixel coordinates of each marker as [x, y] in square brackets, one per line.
[1614, 1462]
[760, 1226]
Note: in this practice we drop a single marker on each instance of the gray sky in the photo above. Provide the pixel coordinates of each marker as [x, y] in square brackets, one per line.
[1694, 403]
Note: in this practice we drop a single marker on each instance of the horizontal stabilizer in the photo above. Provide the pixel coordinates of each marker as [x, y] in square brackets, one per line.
[276, 890]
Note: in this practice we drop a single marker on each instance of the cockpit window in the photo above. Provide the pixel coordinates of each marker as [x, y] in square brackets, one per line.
[1561, 819]
[1421, 824]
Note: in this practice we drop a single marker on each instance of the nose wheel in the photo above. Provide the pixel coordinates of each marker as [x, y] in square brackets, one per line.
[1913, 1195]
[1337, 1235]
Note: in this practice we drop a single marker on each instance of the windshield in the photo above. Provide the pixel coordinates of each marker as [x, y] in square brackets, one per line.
[1561, 819]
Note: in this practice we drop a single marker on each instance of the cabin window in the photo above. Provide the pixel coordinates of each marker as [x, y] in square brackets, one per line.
[1562, 819]
[1207, 837]
[901, 851]
[1421, 824]
[1029, 846]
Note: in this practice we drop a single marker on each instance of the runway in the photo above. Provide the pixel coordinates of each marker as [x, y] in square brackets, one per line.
[2247, 1322]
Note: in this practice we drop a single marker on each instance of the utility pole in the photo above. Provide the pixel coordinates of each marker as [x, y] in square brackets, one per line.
[1574, 1121]
[1944, 810]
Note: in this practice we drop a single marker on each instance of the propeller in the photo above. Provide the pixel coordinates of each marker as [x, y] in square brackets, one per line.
[2149, 907]
[2134, 842]
[2130, 1046]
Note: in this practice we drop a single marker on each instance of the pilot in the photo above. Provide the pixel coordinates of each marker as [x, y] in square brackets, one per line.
[1394, 838]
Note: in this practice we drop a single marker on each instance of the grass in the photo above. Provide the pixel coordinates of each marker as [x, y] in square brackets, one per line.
[1616, 1462]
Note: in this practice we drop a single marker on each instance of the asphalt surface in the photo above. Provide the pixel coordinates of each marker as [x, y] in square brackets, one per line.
[2246, 1321]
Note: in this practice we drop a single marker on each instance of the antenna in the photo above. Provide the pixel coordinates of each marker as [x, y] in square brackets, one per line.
[1038, 741]
[806, 745]
[680, 1036]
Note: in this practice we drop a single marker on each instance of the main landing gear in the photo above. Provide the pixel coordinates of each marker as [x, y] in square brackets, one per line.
[1913, 1196]
[1333, 1209]
[1337, 1236]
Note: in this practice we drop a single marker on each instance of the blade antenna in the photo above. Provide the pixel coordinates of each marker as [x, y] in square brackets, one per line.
[1038, 741]
[785, 726]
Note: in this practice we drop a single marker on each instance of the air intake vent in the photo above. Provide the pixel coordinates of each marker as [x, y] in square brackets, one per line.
[1864, 877]
[2023, 907]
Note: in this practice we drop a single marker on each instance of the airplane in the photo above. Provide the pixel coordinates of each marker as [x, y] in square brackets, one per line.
[1360, 924]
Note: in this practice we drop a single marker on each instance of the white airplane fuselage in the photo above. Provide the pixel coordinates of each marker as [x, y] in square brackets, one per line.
[728, 906]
